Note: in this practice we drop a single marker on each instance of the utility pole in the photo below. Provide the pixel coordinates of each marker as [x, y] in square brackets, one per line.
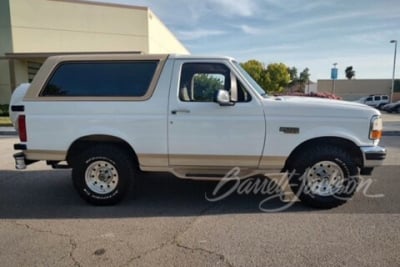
[334, 74]
[394, 69]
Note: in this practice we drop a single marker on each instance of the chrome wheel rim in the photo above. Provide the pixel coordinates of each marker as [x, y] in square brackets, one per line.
[324, 178]
[101, 177]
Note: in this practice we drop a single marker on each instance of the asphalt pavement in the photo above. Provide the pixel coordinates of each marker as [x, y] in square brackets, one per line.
[166, 221]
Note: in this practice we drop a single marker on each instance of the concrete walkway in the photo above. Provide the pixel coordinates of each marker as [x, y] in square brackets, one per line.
[7, 131]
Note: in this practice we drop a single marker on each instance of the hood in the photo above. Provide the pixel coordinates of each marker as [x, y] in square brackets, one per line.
[314, 106]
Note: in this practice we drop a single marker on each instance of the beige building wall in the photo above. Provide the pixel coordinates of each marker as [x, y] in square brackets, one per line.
[20, 71]
[161, 40]
[67, 26]
[56, 26]
[5, 46]
[355, 89]
[396, 96]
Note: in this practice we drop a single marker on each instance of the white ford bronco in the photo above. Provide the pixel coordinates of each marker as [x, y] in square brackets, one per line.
[108, 116]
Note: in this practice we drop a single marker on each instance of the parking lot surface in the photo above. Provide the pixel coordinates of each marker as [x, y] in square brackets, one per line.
[166, 221]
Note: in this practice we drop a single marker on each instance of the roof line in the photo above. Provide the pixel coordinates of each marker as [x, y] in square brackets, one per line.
[103, 4]
[48, 54]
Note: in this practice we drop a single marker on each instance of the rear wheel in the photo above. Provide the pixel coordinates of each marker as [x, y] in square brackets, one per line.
[398, 109]
[324, 177]
[103, 174]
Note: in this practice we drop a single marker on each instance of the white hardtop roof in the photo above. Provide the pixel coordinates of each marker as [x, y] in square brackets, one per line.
[131, 56]
[202, 57]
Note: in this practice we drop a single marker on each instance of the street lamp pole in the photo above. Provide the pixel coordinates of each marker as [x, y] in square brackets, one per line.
[394, 68]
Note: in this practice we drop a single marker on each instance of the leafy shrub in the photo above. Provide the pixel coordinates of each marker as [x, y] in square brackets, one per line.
[4, 110]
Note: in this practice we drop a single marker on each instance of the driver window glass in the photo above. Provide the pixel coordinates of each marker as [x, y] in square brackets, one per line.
[200, 82]
[206, 85]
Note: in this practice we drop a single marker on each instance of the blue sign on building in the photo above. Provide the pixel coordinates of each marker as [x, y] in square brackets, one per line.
[334, 73]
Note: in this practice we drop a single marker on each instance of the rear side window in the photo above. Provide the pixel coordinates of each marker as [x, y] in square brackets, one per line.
[107, 79]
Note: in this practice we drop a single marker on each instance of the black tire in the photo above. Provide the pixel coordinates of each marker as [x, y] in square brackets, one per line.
[312, 169]
[398, 109]
[103, 174]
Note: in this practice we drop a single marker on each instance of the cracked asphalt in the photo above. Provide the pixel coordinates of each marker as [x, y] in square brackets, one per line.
[166, 221]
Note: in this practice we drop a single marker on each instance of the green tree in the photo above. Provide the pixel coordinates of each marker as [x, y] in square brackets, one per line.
[256, 70]
[293, 76]
[350, 73]
[304, 78]
[205, 86]
[273, 78]
[277, 77]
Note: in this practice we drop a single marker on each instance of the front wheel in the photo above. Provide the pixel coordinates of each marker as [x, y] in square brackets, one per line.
[102, 174]
[324, 176]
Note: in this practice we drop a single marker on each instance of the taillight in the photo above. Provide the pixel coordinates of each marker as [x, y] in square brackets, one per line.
[22, 128]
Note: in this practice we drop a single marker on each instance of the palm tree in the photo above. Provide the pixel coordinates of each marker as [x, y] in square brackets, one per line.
[350, 73]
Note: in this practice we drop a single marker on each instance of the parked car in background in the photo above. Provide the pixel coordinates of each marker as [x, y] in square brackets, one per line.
[376, 101]
[392, 107]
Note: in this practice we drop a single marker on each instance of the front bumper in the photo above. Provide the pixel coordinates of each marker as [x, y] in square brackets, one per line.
[373, 156]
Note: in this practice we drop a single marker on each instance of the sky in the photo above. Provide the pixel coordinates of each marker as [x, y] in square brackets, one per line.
[301, 33]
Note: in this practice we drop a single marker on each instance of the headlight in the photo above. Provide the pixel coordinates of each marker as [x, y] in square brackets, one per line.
[375, 129]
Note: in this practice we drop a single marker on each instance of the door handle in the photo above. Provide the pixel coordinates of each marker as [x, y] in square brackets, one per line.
[175, 111]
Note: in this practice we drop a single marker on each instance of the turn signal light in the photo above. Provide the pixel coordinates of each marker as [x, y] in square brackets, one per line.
[375, 134]
[376, 126]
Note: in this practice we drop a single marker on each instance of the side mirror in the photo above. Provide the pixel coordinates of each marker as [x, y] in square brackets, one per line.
[223, 98]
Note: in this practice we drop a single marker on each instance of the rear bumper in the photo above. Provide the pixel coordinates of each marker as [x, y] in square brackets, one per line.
[373, 156]
[21, 161]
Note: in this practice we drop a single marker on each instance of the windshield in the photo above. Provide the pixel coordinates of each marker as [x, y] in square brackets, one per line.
[252, 82]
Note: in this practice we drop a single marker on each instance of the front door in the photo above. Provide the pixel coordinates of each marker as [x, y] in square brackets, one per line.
[203, 133]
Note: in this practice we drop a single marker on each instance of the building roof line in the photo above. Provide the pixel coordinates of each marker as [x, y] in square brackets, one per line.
[103, 4]
[32, 55]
